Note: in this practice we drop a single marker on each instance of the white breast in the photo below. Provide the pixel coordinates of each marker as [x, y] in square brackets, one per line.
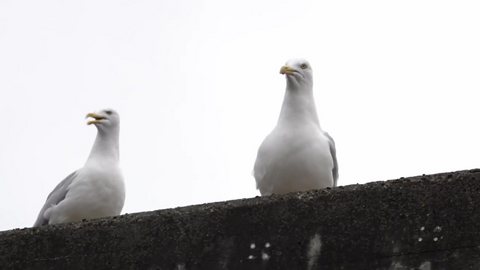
[96, 192]
[293, 160]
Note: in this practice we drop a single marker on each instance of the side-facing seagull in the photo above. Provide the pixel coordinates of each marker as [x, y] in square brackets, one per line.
[96, 190]
[297, 155]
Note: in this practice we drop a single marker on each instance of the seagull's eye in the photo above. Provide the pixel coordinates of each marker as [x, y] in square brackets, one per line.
[303, 66]
[108, 112]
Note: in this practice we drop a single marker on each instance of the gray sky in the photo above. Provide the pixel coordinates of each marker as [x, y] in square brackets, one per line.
[197, 86]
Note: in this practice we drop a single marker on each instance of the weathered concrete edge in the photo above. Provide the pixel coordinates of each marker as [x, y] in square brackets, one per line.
[243, 203]
[256, 199]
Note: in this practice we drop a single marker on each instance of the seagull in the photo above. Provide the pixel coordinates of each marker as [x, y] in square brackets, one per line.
[97, 190]
[297, 155]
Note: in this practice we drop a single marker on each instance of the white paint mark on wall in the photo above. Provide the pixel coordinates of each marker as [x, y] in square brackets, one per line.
[267, 245]
[252, 246]
[435, 239]
[251, 257]
[422, 228]
[314, 249]
[420, 239]
[265, 256]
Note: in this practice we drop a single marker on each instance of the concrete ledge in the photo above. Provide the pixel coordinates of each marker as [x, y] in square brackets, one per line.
[424, 222]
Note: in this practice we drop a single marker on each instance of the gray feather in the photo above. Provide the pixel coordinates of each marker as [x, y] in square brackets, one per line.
[333, 152]
[55, 197]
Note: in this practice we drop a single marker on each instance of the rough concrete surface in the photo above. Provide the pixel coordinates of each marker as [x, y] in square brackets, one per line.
[425, 222]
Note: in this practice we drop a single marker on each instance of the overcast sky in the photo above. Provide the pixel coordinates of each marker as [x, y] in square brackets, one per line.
[197, 86]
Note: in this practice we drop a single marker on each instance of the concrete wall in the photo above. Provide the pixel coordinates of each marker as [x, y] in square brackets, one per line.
[425, 222]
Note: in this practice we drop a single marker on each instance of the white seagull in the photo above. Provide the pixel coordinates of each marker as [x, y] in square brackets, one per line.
[97, 190]
[297, 155]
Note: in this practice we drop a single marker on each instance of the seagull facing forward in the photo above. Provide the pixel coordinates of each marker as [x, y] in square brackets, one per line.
[297, 155]
[97, 190]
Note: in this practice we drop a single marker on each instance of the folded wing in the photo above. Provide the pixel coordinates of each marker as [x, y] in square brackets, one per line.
[333, 152]
[55, 197]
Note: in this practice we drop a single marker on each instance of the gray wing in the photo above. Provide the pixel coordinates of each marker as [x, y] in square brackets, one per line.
[57, 195]
[333, 152]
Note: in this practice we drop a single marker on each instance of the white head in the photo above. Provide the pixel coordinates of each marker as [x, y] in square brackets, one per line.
[105, 120]
[299, 73]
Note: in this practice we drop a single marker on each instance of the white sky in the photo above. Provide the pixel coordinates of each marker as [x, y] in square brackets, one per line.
[197, 86]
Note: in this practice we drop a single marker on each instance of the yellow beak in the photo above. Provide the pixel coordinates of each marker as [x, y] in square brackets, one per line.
[95, 116]
[286, 70]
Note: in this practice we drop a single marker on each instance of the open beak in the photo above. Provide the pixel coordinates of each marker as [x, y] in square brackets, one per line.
[286, 70]
[94, 116]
